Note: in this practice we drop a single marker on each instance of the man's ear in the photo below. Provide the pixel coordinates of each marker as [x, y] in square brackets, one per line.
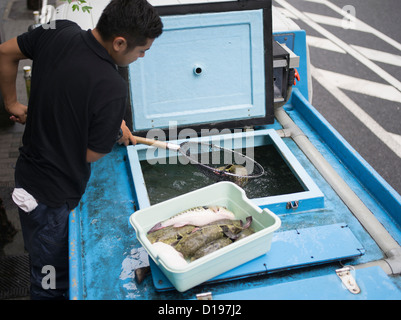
[120, 44]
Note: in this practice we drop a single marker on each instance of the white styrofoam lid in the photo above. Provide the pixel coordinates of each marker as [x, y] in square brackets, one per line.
[204, 68]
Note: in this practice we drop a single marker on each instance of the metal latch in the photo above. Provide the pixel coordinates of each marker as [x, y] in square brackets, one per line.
[348, 280]
[204, 296]
[294, 59]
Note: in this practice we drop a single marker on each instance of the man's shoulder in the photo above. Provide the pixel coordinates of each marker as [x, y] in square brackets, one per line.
[63, 23]
[60, 28]
[56, 26]
[112, 85]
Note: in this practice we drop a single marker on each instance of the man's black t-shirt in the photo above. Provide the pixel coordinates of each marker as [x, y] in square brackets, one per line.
[77, 101]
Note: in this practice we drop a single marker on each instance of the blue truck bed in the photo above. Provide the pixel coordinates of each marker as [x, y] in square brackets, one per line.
[104, 251]
[317, 238]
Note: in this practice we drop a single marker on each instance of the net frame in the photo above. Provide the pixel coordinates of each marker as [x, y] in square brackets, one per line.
[215, 172]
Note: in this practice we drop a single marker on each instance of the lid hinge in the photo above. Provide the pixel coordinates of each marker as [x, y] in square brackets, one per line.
[348, 279]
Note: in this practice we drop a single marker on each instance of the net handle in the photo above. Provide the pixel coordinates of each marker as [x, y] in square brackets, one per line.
[156, 143]
[176, 147]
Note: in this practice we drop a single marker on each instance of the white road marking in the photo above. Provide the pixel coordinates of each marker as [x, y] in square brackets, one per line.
[389, 139]
[379, 56]
[396, 137]
[287, 13]
[351, 51]
[336, 22]
[334, 82]
[323, 43]
[360, 24]
[366, 87]
[371, 54]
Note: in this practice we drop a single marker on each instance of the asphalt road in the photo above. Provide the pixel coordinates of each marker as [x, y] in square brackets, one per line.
[356, 74]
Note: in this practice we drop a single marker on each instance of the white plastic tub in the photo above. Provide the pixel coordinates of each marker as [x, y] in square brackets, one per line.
[225, 194]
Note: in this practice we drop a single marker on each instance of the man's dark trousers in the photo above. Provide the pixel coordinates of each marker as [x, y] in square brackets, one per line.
[45, 232]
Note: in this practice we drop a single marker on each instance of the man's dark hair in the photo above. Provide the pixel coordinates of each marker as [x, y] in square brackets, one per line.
[135, 20]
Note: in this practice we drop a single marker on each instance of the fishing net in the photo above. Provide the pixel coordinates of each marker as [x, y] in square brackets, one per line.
[221, 164]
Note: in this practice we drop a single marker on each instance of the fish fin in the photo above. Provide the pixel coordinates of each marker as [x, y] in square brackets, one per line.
[216, 209]
[156, 227]
[195, 229]
[248, 222]
[180, 224]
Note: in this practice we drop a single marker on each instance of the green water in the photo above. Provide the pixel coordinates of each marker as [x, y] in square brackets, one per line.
[165, 181]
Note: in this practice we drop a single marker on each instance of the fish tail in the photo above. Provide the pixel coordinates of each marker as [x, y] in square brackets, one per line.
[248, 222]
[156, 227]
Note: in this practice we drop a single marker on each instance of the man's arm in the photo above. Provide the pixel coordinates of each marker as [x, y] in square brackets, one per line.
[92, 156]
[10, 55]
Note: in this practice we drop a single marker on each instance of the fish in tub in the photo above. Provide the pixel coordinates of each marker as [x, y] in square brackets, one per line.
[196, 232]
[207, 235]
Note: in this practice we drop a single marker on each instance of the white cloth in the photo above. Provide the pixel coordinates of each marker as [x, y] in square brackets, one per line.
[24, 200]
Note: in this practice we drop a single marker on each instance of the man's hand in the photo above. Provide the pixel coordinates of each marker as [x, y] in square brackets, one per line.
[18, 112]
[127, 135]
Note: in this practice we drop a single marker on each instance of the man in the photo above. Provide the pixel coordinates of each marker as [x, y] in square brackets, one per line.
[74, 115]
